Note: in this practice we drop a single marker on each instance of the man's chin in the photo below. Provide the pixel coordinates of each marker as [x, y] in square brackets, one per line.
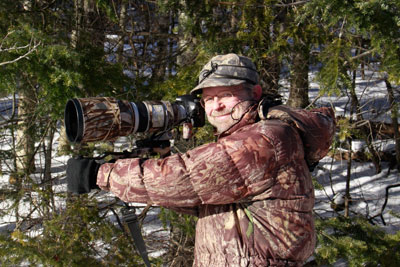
[221, 127]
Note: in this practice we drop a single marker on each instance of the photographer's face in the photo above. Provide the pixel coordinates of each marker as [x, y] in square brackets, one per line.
[225, 105]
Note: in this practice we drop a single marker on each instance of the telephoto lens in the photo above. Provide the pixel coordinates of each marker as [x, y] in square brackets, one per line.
[105, 119]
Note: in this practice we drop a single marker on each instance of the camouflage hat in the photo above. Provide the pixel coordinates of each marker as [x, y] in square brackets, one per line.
[226, 70]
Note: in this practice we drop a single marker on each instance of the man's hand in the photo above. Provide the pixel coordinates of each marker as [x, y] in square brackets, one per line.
[82, 175]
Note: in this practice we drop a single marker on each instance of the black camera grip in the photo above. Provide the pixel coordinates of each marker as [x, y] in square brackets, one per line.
[82, 175]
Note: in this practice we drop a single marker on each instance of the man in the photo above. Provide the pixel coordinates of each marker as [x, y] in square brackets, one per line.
[252, 189]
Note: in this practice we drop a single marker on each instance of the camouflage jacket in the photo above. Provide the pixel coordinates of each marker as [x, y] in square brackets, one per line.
[251, 190]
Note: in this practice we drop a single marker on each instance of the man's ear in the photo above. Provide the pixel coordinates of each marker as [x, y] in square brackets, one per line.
[257, 92]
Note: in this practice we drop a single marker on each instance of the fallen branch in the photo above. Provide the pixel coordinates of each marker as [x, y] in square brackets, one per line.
[361, 156]
[378, 129]
[386, 200]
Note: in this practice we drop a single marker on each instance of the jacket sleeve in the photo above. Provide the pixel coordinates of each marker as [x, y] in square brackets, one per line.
[216, 173]
[316, 128]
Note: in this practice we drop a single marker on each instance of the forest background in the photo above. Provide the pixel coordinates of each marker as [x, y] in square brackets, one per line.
[54, 50]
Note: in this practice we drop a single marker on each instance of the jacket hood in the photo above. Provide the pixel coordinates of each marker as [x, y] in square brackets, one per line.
[309, 128]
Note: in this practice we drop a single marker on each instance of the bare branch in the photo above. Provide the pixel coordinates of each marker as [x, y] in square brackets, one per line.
[282, 4]
[366, 53]
[5, 37]
[31, 47]
[293, 4]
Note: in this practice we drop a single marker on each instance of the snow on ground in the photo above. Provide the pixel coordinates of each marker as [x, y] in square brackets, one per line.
[367, 191]
[367, 188]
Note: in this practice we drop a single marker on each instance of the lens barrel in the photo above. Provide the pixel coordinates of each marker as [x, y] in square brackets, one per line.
[105, 119]
[73, 119]
[98, 119]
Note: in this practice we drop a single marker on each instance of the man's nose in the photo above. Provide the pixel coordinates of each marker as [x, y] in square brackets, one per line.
[217, 103]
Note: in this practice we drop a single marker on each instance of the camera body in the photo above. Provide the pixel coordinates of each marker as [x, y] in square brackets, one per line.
[105, 119]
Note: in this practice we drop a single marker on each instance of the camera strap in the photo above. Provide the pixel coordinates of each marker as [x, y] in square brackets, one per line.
[131, 220]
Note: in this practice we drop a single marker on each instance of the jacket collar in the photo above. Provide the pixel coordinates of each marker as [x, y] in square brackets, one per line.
[249, 117]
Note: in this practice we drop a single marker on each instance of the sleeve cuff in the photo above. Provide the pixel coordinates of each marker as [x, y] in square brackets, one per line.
[103, 176]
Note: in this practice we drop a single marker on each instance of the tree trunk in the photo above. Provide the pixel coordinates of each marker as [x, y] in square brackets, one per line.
[161, 63]
[270, 66]
[347, 197]
[75, 34]
[87, 24]
[394, 117]
[366, 133]
[25, 149]
[47, 178]
[186, 43]
[122, 27]
[270, 69]
[298, 95]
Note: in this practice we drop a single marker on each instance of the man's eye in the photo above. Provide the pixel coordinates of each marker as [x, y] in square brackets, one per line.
[207, 99]
[226, 95]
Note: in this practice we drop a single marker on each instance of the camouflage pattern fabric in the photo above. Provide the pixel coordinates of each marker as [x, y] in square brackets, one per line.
[105, 118]
[226, 70]
[251, 190]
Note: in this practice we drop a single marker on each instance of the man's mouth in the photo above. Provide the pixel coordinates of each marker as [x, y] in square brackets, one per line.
[221, 116]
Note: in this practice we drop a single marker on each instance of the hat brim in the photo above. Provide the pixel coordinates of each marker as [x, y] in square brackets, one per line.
[214, 82]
